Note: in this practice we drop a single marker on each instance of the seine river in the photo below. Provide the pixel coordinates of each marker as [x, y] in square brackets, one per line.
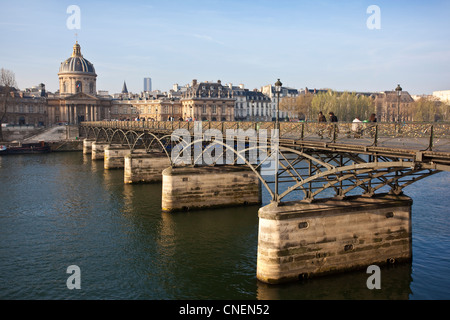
[62, 209]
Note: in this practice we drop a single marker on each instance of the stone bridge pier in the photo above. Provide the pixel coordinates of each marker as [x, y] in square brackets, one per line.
[301, 240]
[187, 188]
[145, 167]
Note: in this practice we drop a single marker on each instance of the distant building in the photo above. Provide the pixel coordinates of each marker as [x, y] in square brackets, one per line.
[77, 100]
[147, 84]
[28, 107]
[388, 107]
[269, 90]
[251, 105]
[207, 101]
[443, 96]
[76, 74]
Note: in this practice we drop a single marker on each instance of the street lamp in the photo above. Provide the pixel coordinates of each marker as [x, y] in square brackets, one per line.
[399, 94]
[278, 85]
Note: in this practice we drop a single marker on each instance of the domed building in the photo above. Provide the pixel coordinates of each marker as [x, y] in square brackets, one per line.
[77, 74]
[77, 100]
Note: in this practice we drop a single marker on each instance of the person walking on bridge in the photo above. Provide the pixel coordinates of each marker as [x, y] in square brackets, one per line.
[321, 127]
[333, 118]
[332, 125]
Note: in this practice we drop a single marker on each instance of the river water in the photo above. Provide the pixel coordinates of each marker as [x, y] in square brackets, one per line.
[63, 209]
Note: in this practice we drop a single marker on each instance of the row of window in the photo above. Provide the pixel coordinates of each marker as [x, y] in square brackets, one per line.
[78, 87]
[241, 105]
[27, 109]
[165, 109]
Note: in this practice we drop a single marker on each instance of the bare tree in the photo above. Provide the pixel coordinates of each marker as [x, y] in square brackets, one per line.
[298, 107]
[7, 85]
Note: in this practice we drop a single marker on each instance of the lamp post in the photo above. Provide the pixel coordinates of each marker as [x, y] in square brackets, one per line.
[399, 94]
[172, 100]
[278, 85]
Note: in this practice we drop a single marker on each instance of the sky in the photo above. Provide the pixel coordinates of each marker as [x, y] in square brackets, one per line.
[314, 44]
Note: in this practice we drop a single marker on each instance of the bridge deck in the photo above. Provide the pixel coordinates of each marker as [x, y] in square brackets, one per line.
[427, 143]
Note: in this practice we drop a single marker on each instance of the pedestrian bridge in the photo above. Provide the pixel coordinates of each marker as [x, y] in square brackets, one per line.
[312, 157]
[336, 190]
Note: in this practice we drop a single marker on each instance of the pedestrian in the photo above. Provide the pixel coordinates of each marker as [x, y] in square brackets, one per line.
[321, 127]
[322, 117]
[356, 127]
[373, 118]
[332, 127]
[333, 118]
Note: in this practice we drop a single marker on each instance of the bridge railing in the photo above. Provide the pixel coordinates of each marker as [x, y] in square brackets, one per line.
[417, 135]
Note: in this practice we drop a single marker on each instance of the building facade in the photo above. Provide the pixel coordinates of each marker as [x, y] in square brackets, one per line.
[251, 105]
[443, 95]
[27, 107]
[207, 101]
[269, 90]
[391, 108]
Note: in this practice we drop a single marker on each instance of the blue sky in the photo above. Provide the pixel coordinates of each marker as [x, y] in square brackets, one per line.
[314, 44]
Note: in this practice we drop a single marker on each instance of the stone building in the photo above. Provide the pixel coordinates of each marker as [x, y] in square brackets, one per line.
[28, 107]
[77, 74]
[161, 108]
[77, 99]
[207, 101]
[389, 108]
[443, 95]
[251, 105]
[269, 90]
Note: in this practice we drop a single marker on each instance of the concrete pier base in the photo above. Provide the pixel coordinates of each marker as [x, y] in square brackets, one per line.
[299, 240]
[187, 188]
[87, 146]
[145, 168]
[115, 157]
[98, 150]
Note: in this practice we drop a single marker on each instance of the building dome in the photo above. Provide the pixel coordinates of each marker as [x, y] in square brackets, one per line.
[77, 74]
[76, 63]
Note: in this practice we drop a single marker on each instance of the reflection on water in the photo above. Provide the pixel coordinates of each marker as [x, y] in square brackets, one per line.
[395, 285]
[64, 209]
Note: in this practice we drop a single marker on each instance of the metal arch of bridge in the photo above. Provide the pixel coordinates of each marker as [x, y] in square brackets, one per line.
[341, 172]
[130, 138]
[306, 169]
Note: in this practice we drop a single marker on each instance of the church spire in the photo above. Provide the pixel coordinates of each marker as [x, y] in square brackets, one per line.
[124, 88]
